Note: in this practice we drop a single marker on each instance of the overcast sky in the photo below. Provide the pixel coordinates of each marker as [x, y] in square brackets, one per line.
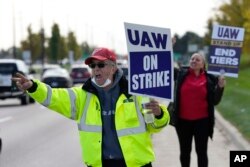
[101, 22]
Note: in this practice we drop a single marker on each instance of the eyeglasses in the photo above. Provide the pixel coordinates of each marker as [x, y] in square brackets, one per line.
[99, 65]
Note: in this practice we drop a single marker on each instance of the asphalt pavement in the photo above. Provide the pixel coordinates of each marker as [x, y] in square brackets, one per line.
[226, 138]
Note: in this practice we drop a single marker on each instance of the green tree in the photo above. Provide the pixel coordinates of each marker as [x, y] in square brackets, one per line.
[181, 52]
[63, 49]
[54, 44]
[86, 50]
[182, 43]
[33, 44]
[208, 34]
[73, 45]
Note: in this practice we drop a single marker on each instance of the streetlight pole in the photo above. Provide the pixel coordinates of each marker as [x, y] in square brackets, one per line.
[42, 36]
[42, 45]
[14, 30]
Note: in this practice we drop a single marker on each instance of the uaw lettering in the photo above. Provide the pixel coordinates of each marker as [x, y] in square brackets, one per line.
[226, 32]
[239, 158]
[144, 39]
[150, 60]
[225, 50]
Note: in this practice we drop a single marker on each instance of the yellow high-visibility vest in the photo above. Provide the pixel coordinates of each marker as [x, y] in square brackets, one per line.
[84, 107]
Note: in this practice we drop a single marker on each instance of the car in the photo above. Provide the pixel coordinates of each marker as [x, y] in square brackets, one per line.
[57, 78]
[8, 88]
[80, 73]
[49, 66]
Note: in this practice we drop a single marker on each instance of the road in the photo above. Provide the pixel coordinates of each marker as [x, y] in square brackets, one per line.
[167, 149]
[34, 136]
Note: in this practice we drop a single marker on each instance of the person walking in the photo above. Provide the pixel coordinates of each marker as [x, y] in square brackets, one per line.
[196, 94]
[110, 121]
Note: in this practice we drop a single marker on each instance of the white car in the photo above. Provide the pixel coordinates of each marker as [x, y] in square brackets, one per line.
[8, 88]
[57, 78]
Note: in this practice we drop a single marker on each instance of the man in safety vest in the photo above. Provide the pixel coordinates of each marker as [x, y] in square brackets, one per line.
[110, 121]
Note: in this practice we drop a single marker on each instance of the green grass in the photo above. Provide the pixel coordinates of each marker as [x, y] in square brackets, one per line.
[235, 104]
[245, 61]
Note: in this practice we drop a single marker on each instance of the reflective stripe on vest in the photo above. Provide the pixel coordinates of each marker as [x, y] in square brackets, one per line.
[72, 98]
[95, 128]
[140, 129]
[82, 125]
[46, 102]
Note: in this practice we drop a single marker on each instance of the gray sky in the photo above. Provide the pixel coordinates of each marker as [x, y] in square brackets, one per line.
[101, 22]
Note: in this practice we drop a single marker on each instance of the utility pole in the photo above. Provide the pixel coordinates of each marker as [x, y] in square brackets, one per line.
[14, 30]
[42, 45]
[42, 36]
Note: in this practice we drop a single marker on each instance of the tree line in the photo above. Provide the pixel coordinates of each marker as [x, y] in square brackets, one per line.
[56, 47]
[53, 48]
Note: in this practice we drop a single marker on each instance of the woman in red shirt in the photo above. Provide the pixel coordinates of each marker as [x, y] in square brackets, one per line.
[197, 92]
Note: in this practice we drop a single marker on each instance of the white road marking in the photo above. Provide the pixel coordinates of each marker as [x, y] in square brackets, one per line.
[5, 119]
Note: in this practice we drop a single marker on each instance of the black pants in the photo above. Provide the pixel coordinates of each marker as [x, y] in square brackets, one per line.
[118, 163]
[186, 130]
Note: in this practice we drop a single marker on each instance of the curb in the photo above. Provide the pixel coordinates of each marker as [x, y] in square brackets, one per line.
[232, 133]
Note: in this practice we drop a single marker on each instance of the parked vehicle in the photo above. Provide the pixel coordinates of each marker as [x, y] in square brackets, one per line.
[57, 78]
[8, 89]
[50, 66]
[80, 73]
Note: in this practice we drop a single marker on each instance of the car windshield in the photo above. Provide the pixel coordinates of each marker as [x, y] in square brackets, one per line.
[80, 70]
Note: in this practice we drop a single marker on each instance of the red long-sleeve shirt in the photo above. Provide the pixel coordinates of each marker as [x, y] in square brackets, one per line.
[193, 99]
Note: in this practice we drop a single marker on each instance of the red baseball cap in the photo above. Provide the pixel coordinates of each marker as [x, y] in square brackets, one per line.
[101, 54]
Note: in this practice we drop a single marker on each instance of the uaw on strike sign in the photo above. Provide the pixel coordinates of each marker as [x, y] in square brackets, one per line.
[225, 50]
[150, 61]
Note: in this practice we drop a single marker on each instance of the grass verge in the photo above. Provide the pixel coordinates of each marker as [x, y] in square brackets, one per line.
[235, 104]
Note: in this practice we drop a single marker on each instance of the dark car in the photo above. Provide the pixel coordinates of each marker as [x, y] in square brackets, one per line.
[80, 73]
[57, 78]
[8, 88]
